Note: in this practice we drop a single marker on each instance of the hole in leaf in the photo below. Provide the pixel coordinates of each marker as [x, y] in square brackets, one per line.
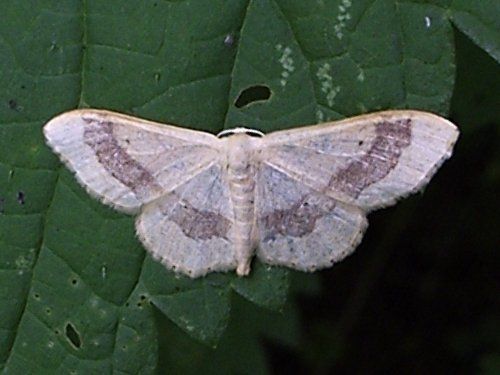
[12, 104]
[252, 94]
[21, 197]
[73, 335]
[74, 281]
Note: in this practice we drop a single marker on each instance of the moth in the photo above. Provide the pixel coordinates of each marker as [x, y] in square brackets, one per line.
[296, 198]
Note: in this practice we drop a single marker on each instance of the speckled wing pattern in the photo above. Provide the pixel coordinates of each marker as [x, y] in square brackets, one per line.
[170, 175]
[316, 184]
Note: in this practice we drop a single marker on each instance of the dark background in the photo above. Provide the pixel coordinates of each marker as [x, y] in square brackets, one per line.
[421, 293]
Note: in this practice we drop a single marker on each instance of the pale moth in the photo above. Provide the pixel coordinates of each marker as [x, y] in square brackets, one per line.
[296, 198]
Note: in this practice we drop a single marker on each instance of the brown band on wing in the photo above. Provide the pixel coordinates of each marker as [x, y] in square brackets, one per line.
[298, 220]
[194, 223]
[98, 135]
[382, 157]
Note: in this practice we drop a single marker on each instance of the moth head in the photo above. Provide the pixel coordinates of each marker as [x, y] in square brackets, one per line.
[240, 130]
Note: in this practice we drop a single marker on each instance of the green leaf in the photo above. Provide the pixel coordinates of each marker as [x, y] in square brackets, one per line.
[480, 21]
[82, 292]
[200, 306]
[266, 286]
[239, 350]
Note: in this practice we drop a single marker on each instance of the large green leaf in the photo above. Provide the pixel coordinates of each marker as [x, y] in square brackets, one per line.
[81, 292]
[480, 20]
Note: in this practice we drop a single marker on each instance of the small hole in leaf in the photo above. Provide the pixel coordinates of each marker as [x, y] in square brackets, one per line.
[12, 104]
[21, 197]
[73, 335]
[252, 94]
[74, 281]
[142, 297]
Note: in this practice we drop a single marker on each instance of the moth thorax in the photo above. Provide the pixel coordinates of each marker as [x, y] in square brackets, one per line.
[239, 154]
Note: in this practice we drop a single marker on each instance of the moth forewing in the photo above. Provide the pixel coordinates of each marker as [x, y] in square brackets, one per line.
[124, 161]
[369, 160]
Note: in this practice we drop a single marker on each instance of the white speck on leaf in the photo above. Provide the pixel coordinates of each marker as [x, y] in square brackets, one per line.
[50, 344]
[326, 80]
[229, 40]
[23, 263]
[342, 18]
[286, 62]
[320, 116]
[361, 76]
[427, 21]
[362, 108]
[94, 302]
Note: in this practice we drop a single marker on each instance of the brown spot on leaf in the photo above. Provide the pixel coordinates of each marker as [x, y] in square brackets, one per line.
[98, 135]
[382, 157]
